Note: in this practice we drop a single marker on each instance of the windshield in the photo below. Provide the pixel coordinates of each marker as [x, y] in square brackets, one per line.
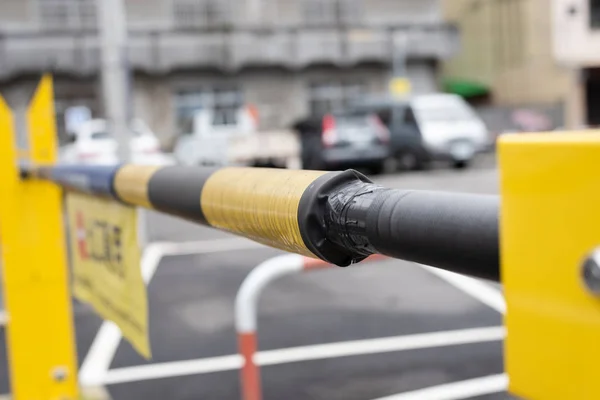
[352, 121]
[103, 134]
[444, 114]
[354, 127]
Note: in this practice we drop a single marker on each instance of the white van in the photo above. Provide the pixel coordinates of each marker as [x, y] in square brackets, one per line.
[450, 128]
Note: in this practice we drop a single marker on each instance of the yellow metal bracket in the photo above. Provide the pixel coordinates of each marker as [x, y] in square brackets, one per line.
[40, 338]
[550, 224]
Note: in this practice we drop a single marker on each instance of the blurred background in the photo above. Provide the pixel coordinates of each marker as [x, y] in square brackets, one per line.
[194, 67]
[416, 90]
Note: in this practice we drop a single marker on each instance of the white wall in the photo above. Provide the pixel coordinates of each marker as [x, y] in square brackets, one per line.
[575, 43]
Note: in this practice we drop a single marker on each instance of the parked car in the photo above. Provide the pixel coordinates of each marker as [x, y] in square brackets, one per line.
[450, 128]
[231, 137]
[344, 140]
[92, 144]
[406, 144]
[430, 127]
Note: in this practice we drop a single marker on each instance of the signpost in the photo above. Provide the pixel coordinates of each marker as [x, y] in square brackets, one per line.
[399, 86]
[106, 264]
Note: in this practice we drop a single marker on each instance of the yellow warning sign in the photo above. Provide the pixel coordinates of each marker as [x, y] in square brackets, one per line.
[400, 86]
[106, 264]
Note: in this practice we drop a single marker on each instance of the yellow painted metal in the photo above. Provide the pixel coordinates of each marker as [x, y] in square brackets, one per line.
[550, 221]
[40, 336]
[259, 203]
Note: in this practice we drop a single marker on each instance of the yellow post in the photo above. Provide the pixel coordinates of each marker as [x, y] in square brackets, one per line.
[40, 340]
[550, 226]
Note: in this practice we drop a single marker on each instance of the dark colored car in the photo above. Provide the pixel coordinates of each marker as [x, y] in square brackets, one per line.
[344, 140]
[406, 143]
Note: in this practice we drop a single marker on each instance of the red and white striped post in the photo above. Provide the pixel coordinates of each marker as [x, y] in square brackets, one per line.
[246, 311]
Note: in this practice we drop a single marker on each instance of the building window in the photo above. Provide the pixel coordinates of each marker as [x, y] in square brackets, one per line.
[67, 14]
[223, 101]
[333, 97]
[201, 13]
[320, 12]
[595, 14]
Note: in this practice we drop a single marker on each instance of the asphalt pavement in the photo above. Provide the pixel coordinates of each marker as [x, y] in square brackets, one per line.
[191, 302]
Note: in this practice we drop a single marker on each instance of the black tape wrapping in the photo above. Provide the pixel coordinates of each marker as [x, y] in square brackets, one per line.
[319, 222]
[346, 216]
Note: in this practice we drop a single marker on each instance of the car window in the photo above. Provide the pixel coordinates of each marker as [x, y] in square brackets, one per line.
[385, 116]
[452, 112]
[224, 116]
[352, 121]
[100, 135]
[355, 127]
[409, 117]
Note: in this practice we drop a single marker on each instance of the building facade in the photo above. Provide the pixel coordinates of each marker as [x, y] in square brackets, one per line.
[576, 42]
[288, 58]
[506, 51]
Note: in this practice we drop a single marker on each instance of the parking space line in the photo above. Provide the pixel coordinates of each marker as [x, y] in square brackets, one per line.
[102, 351]
[473, 287]
[456, 390]
[208, 246]
[306, 353]
[173, 369]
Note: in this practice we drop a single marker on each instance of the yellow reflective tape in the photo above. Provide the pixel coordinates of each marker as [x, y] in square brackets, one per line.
[258, 203]
[131, 184]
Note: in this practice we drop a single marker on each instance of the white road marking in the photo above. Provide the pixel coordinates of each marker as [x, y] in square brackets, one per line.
[381, 345]
[173, 369]
[102, 351]
[100, 355]
[306, 353]
[456, 390]
[209, 246]
[96, 371]
[473, 287]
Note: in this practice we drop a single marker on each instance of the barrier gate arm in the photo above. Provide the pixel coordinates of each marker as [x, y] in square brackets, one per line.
[339, 217]
[549, 222]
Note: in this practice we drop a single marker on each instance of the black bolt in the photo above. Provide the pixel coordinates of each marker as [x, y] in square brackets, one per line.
[591, 273]
[59, 374]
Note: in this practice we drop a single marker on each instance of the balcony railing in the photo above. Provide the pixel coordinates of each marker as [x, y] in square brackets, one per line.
[161, 51]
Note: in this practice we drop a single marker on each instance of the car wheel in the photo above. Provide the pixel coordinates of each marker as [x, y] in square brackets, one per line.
[314, 162]
[312, 153]
[460, 164]
[377, 169]
[409, 160]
